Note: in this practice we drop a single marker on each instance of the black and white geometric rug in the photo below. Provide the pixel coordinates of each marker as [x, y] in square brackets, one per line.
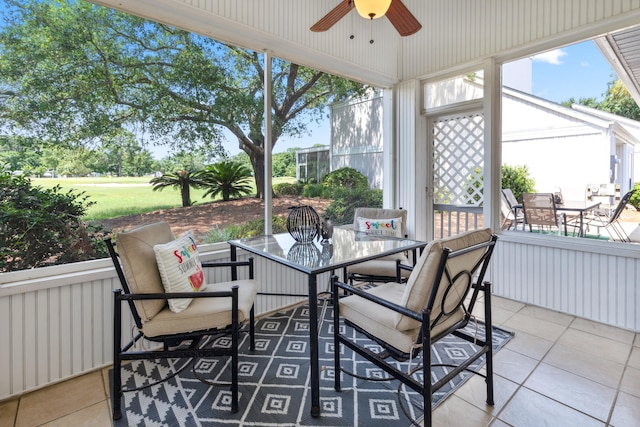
[274, 382]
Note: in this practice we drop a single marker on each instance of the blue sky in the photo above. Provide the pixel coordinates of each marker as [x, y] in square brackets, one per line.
[578, 71]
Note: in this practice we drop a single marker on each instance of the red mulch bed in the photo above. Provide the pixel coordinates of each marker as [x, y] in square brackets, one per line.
[201, 218]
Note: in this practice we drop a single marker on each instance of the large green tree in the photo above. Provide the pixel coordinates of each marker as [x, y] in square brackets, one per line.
[617, 100]
[73, 72]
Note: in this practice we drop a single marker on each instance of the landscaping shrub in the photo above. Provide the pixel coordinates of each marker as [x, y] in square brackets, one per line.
[345, 178]
[288, 189]
[635, 199]
[345, 200]
[317, 190]
[40, 227]
[518, 179]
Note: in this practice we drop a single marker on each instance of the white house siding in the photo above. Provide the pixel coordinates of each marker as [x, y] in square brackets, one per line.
[562, 149]
[357, 138]
[566, 162]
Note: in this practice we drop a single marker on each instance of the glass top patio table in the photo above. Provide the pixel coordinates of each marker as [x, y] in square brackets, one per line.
[579, 206]
[346, 247]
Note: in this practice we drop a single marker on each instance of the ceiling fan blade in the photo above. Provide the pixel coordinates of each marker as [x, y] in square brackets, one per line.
[402, 19]
[336, 14]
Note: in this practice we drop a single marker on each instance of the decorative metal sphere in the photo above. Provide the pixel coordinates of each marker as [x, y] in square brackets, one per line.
[302, 223]
[304, 253]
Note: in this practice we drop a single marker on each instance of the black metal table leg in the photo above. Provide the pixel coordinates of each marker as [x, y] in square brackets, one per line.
[313, 345]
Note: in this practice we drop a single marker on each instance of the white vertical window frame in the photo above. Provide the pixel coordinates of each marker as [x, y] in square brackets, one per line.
[492, 106]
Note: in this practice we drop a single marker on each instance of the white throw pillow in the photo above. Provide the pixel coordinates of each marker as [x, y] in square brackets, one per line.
[180, 269]
[381, 227]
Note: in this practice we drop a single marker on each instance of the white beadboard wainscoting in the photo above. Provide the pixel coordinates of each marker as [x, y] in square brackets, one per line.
[57, 323]
[594, 280]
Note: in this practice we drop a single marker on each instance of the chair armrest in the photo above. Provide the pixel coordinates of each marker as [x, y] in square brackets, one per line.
[233, 265]
[399, 268]
[377, 300]
[172, 295]
[214, 264]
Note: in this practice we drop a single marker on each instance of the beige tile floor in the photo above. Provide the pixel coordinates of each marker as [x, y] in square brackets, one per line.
[558, 370]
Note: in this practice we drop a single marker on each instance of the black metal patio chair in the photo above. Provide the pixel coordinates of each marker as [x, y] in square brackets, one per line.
[406, 319]
[219, 310]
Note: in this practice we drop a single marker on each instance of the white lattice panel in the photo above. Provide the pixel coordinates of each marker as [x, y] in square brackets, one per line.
[458, 160]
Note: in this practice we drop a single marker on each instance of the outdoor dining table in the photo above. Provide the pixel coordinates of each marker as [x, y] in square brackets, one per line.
[581, 207]
[346, 247]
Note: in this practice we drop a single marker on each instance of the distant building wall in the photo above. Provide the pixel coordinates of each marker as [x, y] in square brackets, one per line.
[356, 138]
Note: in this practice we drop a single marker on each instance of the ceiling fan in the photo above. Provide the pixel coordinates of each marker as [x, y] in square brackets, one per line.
[400, 17]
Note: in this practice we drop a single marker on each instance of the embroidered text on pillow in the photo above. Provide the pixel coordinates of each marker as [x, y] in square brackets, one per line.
[381, 227]
[180, 268]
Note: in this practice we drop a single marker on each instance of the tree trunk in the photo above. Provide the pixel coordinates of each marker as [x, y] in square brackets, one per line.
[186, 195]
[258, 169]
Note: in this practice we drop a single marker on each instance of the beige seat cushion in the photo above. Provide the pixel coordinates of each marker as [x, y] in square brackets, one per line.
[380, 321]
[385, 266]
[204, 313]
[140, 266]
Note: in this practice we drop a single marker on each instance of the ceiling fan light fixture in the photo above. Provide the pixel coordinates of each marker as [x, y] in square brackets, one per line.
[372, 9]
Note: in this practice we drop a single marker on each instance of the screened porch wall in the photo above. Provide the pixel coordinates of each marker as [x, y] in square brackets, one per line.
[57, 322]
[594, 280]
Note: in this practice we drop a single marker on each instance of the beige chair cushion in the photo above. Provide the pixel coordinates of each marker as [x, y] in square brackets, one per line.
[376, 319]
[421, 279]
[139, 264]
[204, 313]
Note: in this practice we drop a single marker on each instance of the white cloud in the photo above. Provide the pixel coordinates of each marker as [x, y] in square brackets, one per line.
[551, 57]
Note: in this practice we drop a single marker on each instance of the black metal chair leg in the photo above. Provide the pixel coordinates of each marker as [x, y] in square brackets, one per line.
[336, 330]
[489, 340]
[116, 385]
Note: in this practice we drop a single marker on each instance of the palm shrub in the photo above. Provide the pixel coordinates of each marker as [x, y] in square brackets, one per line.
[227, 179]
[40, 227]
[182, 179]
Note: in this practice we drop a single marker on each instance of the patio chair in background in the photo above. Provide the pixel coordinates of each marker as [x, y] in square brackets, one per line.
[384, 222]
[612, 222]
[511, 210]
[148, 260]
[405, 319]
[540, 212]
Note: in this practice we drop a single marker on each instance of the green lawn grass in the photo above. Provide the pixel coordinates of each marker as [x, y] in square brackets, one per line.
[114, 196]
